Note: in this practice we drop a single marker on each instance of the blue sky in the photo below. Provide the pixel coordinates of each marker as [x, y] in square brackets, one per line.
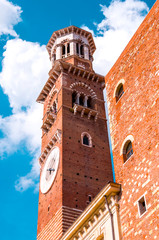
[25, 29]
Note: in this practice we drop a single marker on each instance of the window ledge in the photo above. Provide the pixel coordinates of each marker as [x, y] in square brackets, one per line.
[84, 110]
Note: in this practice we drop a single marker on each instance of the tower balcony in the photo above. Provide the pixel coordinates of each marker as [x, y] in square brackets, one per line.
[85, 111]
[48, 120]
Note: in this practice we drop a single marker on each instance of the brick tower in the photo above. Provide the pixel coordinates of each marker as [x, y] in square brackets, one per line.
[133, 98]
[75, 157]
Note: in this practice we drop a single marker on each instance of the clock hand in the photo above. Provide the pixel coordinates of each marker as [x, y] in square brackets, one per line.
[51, 170]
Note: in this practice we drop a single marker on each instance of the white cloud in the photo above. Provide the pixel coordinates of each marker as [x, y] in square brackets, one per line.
[121, 20]
[25, 67]
[10, 16]
[19, 128]
[24, 72]
[31, 179]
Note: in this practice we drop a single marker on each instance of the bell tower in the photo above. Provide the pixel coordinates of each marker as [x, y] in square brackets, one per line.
[75, 159]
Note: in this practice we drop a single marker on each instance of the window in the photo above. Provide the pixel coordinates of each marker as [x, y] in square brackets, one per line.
[142, 206]
[63, 51]
[119, 92]
[127, 150]
[68, 49]
[82, 50]
[81, 100]
[89, 102]
[74, 96]
[77, 48]
[86, 139]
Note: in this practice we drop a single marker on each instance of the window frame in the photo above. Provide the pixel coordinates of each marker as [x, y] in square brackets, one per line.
[125, 143]
[119, 94]
[89, 138]
[115, 95]
[138, 204]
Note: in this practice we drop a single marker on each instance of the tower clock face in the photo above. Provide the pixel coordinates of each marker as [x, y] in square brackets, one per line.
[50, 170]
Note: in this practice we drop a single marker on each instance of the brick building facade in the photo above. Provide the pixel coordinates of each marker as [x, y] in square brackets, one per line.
[133, 101]
[74, 126]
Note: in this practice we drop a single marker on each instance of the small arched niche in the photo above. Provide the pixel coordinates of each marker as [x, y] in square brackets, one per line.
[86, 139]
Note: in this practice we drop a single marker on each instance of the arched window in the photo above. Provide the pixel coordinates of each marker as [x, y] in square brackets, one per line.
[63, 50]
[119, 91]
[74, 96]
[82, 50]
[86, 139]
[77, 48]
[89, 104]
[68, 49]
[127, 151]
[81, 100]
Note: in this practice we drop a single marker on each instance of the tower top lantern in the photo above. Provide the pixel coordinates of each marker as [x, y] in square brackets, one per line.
[71, 44]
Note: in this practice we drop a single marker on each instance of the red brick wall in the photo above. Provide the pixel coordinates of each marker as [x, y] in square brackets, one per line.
[137, 114]
[83, 171]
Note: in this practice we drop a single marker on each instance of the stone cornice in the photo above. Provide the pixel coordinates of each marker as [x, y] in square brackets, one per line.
[61, 67]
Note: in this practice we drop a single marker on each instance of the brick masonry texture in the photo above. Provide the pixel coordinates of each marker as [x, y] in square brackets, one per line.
[137, 114]
[83, 171]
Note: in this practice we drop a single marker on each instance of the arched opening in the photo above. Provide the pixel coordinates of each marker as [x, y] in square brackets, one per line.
[86, 140]
[63, 50]
[81, 100]
[119, 91]
[74, 96]
[89, 102]
[128, 150]
[82, 51]
[68, 49]
[77, 48]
